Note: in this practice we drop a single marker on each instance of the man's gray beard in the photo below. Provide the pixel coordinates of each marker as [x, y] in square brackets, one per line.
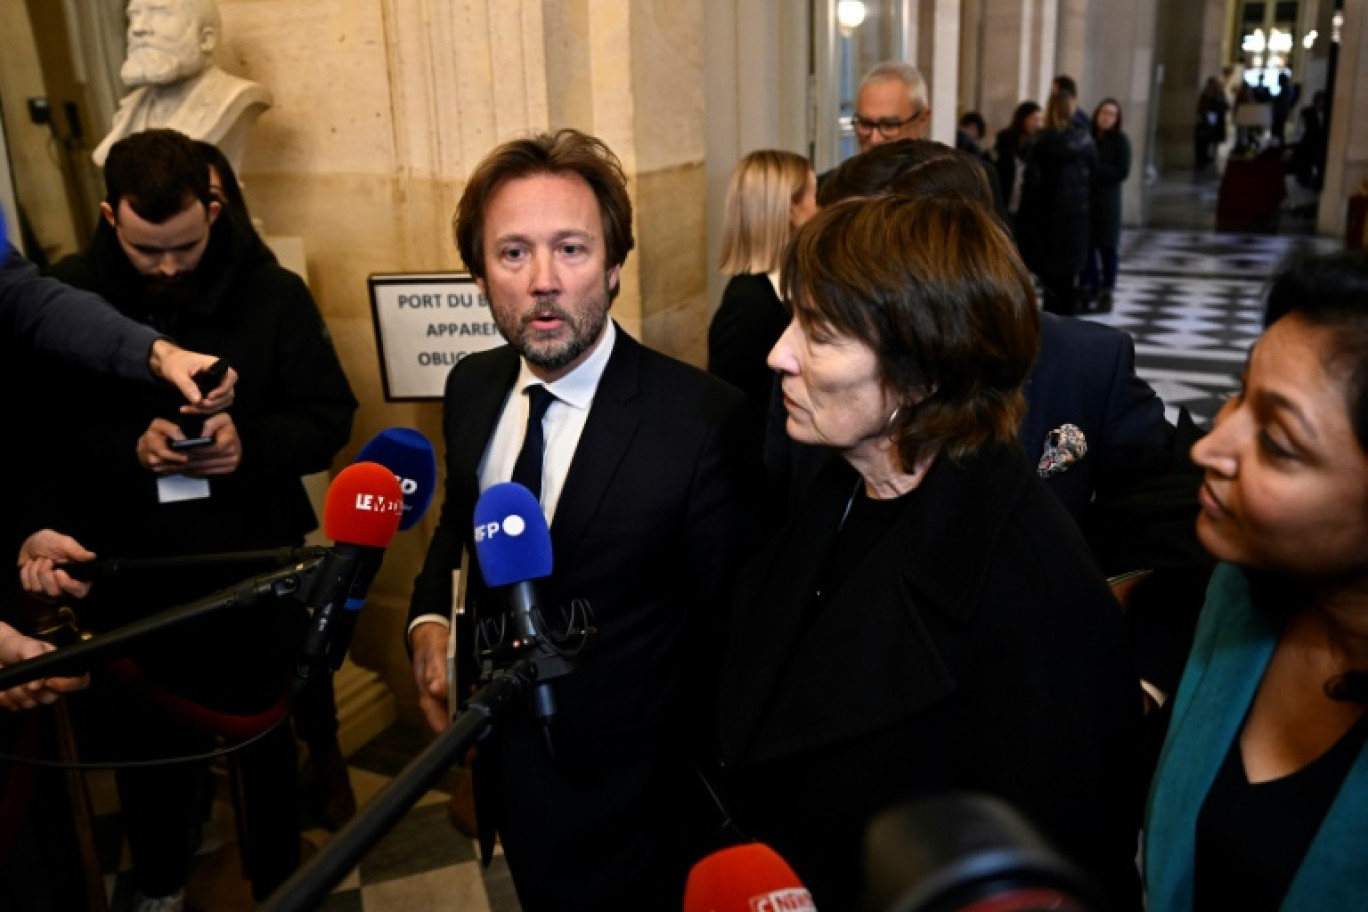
[147, 65]
[578, 344]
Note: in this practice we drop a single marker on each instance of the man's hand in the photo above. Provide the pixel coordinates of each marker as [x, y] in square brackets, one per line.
[429, 643]
[15, 647]
[154, 447]
[178, 367]
[223, 455]
[37, 557]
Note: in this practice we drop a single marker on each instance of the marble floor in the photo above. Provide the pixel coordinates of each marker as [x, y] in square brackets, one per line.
[423, 863]
[1193, 303]
[1190, 298]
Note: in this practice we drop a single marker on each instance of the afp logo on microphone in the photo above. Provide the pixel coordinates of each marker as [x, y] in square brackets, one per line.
[512, 525]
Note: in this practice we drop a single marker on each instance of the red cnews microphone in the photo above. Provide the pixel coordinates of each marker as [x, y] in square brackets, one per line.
[747, 878]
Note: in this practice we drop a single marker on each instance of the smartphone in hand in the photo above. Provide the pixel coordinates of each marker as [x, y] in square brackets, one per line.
[208, 379]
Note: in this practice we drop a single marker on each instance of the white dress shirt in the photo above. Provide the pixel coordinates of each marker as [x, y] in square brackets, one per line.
[562, 424]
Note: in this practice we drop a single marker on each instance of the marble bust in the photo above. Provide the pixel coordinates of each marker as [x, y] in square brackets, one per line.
[175, 83]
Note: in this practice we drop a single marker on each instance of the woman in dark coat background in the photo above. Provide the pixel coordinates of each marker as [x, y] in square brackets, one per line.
[1210, 129]
[1054, 221]
[1113, 167]
[1010, 150]
[930, 619]
[771, 195]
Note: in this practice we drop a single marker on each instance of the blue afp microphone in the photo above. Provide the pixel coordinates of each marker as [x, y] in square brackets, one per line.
[513, 548]
[409, 455]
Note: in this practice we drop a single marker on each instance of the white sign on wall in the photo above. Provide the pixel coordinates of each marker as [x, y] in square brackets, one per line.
[424, 324]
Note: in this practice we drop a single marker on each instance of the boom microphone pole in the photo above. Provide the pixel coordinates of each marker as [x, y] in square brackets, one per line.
[309, 885]
[103, 570]
[79, 657]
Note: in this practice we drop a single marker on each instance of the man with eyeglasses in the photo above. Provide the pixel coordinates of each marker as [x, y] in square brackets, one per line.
[891, 104]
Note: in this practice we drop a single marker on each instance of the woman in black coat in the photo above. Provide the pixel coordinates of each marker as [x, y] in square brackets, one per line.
[1010, 150]
[1054, 225]
[772, 193]
[1113, 167]
[930, 620]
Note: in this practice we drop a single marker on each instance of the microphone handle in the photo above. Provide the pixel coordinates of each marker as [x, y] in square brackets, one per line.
[523, 601]
[99, 570]
[340, 641]
[342, 566]
[309, 885]
[79, 657]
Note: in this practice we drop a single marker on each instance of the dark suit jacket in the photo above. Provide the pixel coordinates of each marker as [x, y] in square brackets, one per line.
[975, 647]
[653, 518]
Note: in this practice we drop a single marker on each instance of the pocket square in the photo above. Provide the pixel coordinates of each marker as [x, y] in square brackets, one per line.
[1064, 446]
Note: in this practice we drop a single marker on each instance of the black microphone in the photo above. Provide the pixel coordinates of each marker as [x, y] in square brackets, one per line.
[361, 514]
[80, 657]
[106, 569]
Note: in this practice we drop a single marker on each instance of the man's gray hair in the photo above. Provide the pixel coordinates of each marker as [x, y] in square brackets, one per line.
[905, 73]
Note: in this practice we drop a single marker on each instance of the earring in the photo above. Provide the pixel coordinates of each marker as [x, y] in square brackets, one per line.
[888, 425]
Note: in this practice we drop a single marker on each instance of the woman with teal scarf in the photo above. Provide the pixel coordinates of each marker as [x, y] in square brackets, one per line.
[1261, 797]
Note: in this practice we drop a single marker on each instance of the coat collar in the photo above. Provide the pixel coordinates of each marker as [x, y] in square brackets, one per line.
[953, 530]
[869, 658]
[233, 249]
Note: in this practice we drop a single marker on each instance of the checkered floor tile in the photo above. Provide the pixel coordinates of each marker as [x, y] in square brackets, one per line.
[1190, 253]
[422, 863]
[1193, 303]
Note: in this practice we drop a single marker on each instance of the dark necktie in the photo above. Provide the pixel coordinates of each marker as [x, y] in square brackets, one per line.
[527, 471]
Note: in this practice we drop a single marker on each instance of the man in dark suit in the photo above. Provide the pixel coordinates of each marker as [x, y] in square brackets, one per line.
[644, 477]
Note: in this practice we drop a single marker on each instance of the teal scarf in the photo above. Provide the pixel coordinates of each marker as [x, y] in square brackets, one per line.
[1232, 648]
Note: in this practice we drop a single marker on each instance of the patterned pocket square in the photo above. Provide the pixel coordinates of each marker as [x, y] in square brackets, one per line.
[1064, 446]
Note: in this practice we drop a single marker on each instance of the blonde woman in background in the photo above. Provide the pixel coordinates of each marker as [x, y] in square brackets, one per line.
[771, 195]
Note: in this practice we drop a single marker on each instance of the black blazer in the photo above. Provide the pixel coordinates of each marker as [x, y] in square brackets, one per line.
[653, 518]
[975, 647]
[748, 322]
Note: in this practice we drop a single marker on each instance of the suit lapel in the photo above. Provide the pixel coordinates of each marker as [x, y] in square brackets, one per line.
[612, 423]
[474, 402]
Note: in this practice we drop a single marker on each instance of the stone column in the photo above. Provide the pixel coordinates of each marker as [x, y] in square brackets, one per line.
[933, 43]
[970, 58]
[1071, 51]
[1016, 55]
[1119, 63]
[1190, 43]
[664, 115]
[1347, 164]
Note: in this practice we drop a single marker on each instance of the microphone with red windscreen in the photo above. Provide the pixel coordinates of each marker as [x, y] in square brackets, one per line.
[361, 513]
[747, 878]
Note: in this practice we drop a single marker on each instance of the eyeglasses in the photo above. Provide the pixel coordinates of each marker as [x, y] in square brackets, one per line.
[889, 127]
